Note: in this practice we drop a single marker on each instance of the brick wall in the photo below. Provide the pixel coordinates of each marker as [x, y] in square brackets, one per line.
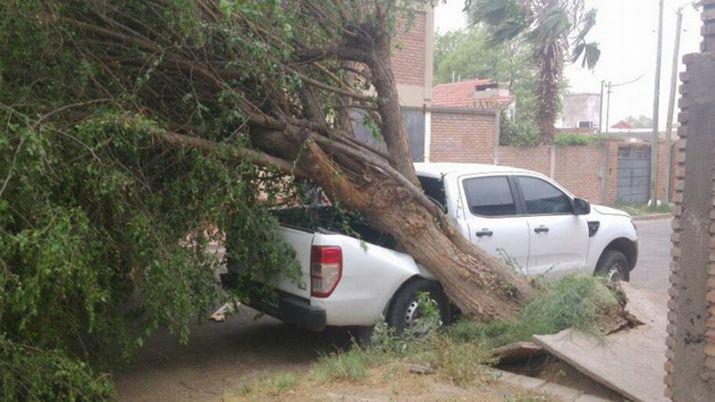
[532, 158]
[690, 354]
[408, 58]
[578, 169]
[462, 136]
[611, 185]
[575, 167]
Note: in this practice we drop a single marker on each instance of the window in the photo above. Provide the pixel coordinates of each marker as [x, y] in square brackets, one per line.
[434, 189]
[414, 125]
[489, 196]
[543, 198]
[585, 124]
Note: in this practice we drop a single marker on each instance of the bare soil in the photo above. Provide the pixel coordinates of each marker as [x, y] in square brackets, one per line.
[221, 358]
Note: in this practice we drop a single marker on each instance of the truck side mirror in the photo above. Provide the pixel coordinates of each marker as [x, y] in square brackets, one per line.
[581, 207]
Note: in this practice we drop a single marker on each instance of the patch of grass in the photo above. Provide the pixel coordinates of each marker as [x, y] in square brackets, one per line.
[574, 301]
[350, 366]
[272, 385]
[462, 363]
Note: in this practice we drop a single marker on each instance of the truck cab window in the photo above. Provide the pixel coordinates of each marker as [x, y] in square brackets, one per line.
[489, 196]
[434, 190]
[543, 198]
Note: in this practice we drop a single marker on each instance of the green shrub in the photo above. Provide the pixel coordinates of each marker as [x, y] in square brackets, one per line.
[567, 139]
[517, 131]
[31, 374]
[574, 301]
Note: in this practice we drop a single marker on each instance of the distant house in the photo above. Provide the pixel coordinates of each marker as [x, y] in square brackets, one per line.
[580, 111]
[476, 94]
[446, 123]
[623, 125]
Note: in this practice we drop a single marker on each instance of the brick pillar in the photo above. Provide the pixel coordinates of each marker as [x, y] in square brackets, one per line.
[690, 365]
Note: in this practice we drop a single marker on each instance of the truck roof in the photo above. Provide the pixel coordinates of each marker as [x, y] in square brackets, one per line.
[437, 170]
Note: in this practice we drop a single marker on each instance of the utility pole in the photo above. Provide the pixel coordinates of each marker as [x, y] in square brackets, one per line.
[656, 99]
[608, 104]
[671, 102]
[600, 111]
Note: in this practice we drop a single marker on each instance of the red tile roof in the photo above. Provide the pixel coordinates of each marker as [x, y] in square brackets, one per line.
[461, 94]
[622, 124]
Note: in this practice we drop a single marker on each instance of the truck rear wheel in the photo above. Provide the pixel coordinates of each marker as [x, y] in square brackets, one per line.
[404, 309]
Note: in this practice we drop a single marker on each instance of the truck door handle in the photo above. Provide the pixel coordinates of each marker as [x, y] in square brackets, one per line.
[484, 232]
[541, 229]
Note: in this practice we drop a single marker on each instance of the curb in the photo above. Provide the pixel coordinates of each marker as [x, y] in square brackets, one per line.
[652, 217]
[560, 391]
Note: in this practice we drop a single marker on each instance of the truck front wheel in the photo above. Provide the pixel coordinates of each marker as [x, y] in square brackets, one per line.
[405, 310]
[614, 266]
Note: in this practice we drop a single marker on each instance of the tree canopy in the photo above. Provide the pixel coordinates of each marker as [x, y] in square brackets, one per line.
[135, 133]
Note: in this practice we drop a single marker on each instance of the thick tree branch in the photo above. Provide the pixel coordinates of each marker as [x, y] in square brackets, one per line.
[249, 155]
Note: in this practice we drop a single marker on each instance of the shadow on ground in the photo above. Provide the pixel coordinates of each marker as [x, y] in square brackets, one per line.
[221, 357]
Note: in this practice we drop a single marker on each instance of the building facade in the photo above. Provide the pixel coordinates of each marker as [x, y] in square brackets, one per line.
[580, 111]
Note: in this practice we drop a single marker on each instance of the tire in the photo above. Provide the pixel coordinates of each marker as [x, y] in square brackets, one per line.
[404, 309]
[613, 265]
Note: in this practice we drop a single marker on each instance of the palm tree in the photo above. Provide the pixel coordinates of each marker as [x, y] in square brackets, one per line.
[557, 31]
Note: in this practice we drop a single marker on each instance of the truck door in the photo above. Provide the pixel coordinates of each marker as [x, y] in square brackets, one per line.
[558, 237]
[491, 216]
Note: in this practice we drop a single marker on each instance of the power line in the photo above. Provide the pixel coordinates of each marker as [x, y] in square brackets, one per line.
[628, 82]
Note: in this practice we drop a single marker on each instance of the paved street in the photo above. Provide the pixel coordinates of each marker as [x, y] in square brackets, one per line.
[651, 272]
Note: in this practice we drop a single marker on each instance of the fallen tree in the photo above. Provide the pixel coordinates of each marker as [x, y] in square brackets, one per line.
[278, 85]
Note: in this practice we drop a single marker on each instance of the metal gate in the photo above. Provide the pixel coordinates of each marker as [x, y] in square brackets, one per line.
[633, 174]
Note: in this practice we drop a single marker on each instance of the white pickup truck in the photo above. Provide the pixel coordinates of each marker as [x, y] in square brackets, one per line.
[515, 214]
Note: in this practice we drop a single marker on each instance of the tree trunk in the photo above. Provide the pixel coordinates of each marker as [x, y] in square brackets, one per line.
[550, 60]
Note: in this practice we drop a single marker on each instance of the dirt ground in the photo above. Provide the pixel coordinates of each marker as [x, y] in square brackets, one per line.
[221, 358]
[224, 360]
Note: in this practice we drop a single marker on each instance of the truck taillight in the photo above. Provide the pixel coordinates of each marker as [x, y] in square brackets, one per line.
[326, 269]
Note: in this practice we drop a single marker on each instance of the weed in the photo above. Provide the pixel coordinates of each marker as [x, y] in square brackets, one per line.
[351, 366]
[273, 385]
[462, 363]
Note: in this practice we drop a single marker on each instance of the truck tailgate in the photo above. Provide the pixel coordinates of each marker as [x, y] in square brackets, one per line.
[301, 242]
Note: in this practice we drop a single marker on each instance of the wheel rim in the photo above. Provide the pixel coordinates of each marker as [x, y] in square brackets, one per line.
[412, 313]
[615, 273]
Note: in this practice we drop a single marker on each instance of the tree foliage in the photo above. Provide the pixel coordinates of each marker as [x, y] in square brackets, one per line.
[104, 230]
[469, 53]
[555, 29]
[135, 133]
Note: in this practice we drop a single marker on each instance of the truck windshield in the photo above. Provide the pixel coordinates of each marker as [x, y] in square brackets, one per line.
[434, 189]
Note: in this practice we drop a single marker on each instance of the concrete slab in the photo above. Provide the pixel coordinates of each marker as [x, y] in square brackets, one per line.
[630, 361]
[560, 391]
[590, 398]
[522, 381]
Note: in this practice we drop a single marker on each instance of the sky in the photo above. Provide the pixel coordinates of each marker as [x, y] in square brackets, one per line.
[626, 31]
